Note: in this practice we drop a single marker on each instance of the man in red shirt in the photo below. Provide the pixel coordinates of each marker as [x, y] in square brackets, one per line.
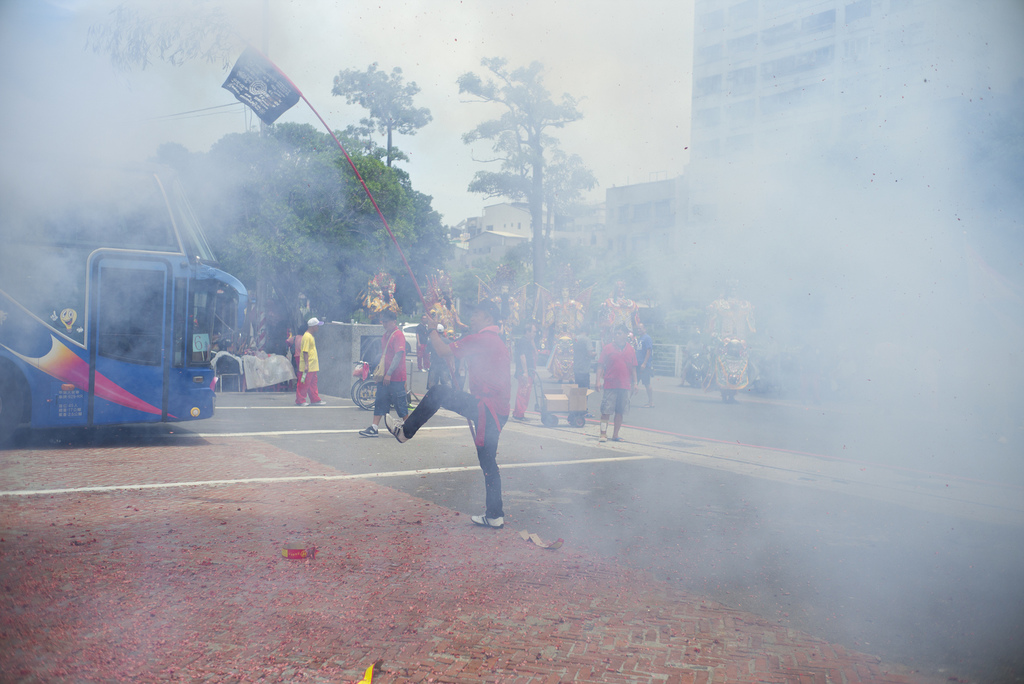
[616, 375]
[391, 388]
[486, 404]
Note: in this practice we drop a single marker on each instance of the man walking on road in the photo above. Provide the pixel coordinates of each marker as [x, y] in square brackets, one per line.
[646, 362]
[486, 405]
[391, 390]
[616, 375]
[526, 368]
[309, 367]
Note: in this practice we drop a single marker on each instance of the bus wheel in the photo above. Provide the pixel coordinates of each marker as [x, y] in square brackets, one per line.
[12, 406]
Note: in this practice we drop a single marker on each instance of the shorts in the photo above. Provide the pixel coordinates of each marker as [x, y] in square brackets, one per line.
[392, 394]
[614, 401]
[643, 375]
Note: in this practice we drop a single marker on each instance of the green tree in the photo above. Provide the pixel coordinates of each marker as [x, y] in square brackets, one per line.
[286, 208]
[566, 180]
[520, 136]
[387, 98]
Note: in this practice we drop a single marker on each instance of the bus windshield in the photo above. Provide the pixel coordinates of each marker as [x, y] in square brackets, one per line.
[213, 317]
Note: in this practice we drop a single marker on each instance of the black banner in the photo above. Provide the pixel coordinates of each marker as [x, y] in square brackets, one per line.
[255, 81]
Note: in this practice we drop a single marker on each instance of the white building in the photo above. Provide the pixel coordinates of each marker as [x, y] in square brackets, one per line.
[770, 73]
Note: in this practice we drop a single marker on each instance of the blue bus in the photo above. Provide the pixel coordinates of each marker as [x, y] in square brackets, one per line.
[111, 305]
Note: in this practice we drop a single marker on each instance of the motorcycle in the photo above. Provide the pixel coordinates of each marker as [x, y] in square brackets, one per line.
[697, 368]
[731, 369]
[364, 387]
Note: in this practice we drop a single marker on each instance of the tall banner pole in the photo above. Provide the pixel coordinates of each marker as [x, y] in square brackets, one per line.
[259, 83]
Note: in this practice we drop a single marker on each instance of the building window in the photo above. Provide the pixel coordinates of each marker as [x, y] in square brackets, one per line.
[709, 85]
[743, 15]
[823, 21]
[781, 33]
[490, 227]
[709, 53]
[856, 49]
[778, 103]
[707, 118]
[858, 10]
[744, 45]
[795, 64]
[624, 213]
[742, 113]
[742, 81]
[663, 212]
[642, 212]
[712, 21]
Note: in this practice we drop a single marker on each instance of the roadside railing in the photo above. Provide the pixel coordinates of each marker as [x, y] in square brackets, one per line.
[669, 359]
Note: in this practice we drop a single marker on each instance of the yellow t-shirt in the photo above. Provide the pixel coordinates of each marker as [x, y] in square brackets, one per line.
[309, 345]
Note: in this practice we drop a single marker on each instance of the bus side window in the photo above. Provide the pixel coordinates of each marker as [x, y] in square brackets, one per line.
[180, 312]
[131, 306]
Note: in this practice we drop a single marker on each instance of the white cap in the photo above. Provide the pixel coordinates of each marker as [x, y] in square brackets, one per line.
[314, 321]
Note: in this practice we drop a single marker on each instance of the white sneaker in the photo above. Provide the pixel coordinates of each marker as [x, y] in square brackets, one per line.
[496, 523]
[396, 430]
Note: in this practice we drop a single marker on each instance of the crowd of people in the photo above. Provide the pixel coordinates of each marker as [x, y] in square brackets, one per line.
[470, 367]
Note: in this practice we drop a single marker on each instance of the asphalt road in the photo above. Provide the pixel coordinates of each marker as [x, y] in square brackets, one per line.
[867, 529]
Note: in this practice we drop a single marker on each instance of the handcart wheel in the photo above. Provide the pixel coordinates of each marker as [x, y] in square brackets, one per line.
[549, 419]
[578, 419]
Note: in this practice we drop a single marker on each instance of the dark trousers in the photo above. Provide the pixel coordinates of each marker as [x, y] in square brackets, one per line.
[465, 404]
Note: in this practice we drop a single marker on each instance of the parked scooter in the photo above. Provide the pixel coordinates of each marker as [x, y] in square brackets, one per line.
[697, 368]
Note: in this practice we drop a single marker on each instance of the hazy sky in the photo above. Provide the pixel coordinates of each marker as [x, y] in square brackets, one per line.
[631, 71]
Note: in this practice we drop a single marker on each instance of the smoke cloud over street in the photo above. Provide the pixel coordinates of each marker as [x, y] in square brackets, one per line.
[883, 254]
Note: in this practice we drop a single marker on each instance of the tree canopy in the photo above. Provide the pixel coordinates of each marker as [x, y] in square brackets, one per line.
[286, 208]
[387, 98]
[173, 33]
[519, 137]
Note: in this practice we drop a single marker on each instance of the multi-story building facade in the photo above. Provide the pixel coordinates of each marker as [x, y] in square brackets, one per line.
[506, 225]
[769, 74]
[645, 217]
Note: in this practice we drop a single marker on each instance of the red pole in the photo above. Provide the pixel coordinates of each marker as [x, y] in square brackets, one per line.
[373, 201]
[356, 171]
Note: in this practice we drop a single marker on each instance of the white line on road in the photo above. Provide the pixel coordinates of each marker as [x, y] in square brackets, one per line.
[276, 433]
[278, 408]
[308, 478]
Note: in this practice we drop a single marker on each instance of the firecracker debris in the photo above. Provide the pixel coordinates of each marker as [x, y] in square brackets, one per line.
[189, 583]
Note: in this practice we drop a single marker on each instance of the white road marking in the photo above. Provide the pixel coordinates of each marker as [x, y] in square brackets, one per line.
[278, 408]
[277, 433]
[308, 478]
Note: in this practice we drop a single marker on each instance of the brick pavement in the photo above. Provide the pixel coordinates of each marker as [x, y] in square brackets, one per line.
[188, 584]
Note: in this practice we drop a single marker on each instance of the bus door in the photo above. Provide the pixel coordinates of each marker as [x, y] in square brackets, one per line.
[129, 349]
